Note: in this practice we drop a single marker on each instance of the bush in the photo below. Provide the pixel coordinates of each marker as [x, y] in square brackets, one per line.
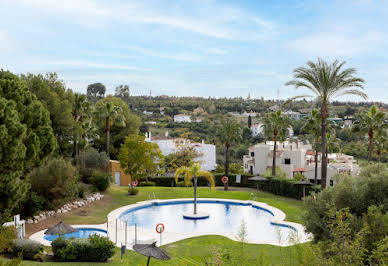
[55, 179]
[28, 249]
[94, 249]
[182, 184]
[133, 191]
[7, 235]
[100, 181]
[147, 184]
[33, 204]
[90, 161]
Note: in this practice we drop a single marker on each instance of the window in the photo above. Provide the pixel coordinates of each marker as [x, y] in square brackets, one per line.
[252, 154]
[287, 161]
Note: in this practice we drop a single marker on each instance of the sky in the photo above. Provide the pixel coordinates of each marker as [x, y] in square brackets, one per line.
[194, 48]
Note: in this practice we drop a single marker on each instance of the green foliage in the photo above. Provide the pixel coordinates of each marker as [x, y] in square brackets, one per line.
[133, 191]
[26, 137]
[54, 179]
[32, 204]
[279, 172]
[147, 184]
[183, 157]
[94, 249]
[7, 235]
[95, 92]
[182, 184]
[27, 249]
[100, 181]
[299, 176]
[90, 161]
[122, 123]
[234, 168]
[140, 158]
[52, 93]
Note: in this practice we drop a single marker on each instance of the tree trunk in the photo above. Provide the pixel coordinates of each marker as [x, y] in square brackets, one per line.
[323, 136]
[107, 127]
[274, 155]
[378, 155]
[370, 134]
[316, 166]
[195, 195]
[227, 159]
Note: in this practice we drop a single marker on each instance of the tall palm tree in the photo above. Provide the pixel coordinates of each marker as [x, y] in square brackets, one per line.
[228, 132]
[381, 143]
[110, 114]
[327, 81]
[312, 125]
[80, 114]
[194, 172]
[276, 127]
[370, 122]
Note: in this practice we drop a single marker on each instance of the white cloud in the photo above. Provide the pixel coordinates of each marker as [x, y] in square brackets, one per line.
[339, 43]
[177, 57]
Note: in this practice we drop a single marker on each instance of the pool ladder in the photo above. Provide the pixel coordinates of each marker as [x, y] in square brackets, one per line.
[253, 197]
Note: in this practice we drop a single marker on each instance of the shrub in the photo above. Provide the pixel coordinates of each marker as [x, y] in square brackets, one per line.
[182, 184]
[55, 179]
[94, 249]
[7, 235]
[100, 181]
[147, 184]
[133, 191]
[33, 204]
[28, 249]
[90, 161]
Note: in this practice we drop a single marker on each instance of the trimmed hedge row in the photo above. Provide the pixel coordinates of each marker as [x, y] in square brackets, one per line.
[274, 185]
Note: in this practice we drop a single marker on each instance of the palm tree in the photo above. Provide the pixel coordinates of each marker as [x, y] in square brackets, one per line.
[228, 132]
[370, 122]
[110, 114]
[333, 143]
[312, 125]
[194, 172]
[276, 127]
[80, 114]
[327, 81]
[381, 143]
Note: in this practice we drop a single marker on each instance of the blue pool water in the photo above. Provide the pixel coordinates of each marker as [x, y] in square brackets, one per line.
[225, 217]
[81, 233]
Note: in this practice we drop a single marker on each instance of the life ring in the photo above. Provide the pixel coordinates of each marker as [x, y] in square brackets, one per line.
[224, 179]
[159, 228]
[135, 183]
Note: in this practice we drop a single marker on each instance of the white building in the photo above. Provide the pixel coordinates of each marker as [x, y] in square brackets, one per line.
[180, 118]
[292, 115]
[168, 145]
[294, 158]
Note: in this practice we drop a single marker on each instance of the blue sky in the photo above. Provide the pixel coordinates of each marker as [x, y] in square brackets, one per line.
[194, 48]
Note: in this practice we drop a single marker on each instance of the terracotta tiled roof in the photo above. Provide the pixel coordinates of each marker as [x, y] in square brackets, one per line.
[299, 170]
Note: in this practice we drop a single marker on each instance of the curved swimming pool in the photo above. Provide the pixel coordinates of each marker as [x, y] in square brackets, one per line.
[226, 217]
[81, 233]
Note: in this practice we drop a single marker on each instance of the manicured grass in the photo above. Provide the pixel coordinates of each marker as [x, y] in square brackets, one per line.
[199, 250]
[117, 197]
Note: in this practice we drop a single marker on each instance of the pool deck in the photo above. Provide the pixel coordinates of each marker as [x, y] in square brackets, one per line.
[121, 234]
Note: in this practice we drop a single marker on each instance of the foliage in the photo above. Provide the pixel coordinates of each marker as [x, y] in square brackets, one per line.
[100, 181]
[133, 191]
[234, 168]
[32, 204]
[54, 179]
[7, 235]
[183, 184]
[279, 172]
[358, 195]
[122, 123]
[90, 161]
[94, 249]
[95, 92]
[147, 184]
[370, 123]
[183, 157]
[26, 137]
[122, 91]
[140, 158]
[299, 176]
[28, 249]
[326, 81]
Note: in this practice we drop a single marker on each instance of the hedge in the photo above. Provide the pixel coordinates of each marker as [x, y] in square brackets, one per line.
[27, 249]
[274, 185]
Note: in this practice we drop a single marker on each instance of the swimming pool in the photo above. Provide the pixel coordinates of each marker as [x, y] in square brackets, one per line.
[226, 217]
[81, 233]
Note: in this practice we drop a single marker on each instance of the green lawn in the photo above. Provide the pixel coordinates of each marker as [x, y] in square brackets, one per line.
[199, 250]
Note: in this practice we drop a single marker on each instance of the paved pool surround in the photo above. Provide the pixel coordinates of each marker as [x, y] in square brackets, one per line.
[146, 235]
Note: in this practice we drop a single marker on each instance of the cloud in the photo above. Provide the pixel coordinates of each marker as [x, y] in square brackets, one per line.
[339, 43]
[177, 57]
[86, 64]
